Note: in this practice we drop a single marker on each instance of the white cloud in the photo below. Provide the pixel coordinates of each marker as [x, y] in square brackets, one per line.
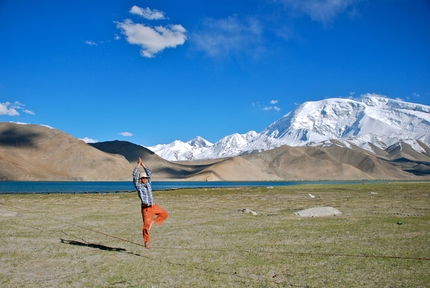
[28, 112]
[91, 43]
[11, 109]
[47, 126]
[147, 13]
[88, 140]
[6, 110]
[20, 123]
[117, 37]
[224, 36]
[267, 108]
[321, 10]
[272, 106]
[126, 134]
[152, 40]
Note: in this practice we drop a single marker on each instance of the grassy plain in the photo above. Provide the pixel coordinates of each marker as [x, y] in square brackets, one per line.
[382, 238]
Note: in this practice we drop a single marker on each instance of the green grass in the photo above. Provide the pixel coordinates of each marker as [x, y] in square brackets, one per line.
[207, 242]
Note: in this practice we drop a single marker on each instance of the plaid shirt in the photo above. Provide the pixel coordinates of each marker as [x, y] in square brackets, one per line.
[143, 190]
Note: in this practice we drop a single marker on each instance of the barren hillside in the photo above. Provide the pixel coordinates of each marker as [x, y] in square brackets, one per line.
[30, 152]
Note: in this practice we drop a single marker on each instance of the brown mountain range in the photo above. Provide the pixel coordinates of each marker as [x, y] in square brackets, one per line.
[30, 152]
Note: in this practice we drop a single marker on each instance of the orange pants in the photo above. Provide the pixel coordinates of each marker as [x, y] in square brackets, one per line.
[148, 214]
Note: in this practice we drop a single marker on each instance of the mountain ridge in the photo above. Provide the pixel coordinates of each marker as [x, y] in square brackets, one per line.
[31, 152]
[372, 122]
[380, 138]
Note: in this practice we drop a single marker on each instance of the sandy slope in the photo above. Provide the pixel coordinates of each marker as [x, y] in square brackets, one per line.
[29, 152]
[303, 163]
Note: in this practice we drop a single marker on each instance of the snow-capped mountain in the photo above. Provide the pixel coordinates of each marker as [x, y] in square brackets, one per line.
[178, 150]
[368, 122]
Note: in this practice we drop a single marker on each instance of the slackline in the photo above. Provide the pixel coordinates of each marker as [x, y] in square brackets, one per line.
[220, 250]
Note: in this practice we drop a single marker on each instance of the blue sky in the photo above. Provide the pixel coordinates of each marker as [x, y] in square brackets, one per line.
[151, 72]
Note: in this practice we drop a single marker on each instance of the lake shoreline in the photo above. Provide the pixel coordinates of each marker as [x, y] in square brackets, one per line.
[107, 187]
[101, 187]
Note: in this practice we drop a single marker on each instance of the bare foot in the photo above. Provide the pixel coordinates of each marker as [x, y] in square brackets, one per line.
[147, 246]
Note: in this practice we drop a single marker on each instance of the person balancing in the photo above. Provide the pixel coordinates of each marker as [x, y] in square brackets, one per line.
[142, 183]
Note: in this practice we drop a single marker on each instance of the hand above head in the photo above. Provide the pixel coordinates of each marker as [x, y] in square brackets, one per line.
[140, 162]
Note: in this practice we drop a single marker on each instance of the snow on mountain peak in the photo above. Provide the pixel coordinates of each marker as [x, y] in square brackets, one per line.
[317, 120]
[383, 102]
[372, 118]
[199, 142]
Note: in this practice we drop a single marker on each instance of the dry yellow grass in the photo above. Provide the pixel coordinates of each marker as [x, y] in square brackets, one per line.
[207, 242]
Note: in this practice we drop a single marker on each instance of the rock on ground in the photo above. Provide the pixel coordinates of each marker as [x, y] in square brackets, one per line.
[318, 212]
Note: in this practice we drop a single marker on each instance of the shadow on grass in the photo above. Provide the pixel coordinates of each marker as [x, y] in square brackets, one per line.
[91, 245]
[122, 250]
